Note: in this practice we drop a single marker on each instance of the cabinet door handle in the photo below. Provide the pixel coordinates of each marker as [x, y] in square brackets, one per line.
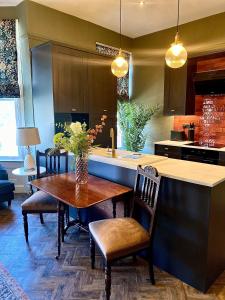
[172, 110]
[166, 148]
[74, 109]
[165, 154]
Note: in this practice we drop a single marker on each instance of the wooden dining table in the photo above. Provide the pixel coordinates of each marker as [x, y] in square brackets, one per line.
[64, 188]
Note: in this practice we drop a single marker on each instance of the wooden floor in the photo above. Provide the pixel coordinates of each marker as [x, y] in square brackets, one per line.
[43, 277]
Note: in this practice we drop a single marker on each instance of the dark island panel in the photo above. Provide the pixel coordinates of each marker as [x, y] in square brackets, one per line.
[189, 239]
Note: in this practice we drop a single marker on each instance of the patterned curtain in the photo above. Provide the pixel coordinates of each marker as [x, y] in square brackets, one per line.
[122, 83]
[9, 87]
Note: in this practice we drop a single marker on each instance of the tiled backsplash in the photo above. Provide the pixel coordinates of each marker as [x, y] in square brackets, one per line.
[209, 120]
[180, 120]
[209, 115]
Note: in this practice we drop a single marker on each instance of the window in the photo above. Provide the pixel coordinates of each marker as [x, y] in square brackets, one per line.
[8, 125]
[9, 91]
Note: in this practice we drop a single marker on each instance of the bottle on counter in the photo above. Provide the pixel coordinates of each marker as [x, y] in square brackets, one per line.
[191, 132]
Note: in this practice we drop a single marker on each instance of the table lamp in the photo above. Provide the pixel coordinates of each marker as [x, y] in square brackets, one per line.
[27, 136]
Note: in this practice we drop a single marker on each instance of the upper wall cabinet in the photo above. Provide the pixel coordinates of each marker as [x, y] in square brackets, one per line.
[69, 80]
[66, 80]
[101, 85]
[179, 98]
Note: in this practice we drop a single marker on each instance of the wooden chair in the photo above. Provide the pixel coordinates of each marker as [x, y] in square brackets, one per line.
[40, 202]
[121, 237]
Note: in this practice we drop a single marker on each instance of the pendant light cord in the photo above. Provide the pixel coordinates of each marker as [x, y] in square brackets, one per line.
[120, 23]
[178, 13]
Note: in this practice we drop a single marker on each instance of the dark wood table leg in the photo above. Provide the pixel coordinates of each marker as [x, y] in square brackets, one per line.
[59, 229]
[114, 207]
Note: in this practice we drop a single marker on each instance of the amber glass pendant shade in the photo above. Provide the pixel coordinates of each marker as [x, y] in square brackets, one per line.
[176, 55]
[119, 66]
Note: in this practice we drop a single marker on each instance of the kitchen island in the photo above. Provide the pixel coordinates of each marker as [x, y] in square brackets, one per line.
[189, 240]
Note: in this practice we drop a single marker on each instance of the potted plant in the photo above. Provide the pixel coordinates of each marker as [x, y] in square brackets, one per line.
[132, 119]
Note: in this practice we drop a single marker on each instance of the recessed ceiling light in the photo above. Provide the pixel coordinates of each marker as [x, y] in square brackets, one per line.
[141, 3]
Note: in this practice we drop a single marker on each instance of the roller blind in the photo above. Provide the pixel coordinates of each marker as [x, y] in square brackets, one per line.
[9, 87]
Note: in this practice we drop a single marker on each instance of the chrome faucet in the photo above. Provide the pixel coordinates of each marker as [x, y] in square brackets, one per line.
[112, 135]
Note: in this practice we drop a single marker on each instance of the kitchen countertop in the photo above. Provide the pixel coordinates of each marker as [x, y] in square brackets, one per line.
[125, 159]
[185, 144]
[188, 171]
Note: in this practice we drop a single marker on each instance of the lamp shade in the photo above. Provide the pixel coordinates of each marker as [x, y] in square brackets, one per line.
[26, 136]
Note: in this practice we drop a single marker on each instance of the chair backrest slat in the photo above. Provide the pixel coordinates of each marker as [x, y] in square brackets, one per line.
[58, 164]
[53, 163]
[146, 190]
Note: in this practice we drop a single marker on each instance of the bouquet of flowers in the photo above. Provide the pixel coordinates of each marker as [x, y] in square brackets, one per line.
[76, 138]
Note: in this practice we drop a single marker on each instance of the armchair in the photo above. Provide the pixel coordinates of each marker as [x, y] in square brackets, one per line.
[6, 187]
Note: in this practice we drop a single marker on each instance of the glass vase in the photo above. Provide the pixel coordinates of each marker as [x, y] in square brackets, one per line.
[81, 173]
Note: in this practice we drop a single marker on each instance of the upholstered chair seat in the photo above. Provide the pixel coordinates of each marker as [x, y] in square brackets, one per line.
[119, 237]
[40, 201]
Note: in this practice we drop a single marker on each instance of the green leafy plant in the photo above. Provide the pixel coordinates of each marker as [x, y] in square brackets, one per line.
[132, 119]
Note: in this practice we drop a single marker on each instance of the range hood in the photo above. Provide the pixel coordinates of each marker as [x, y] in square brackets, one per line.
[210, 83]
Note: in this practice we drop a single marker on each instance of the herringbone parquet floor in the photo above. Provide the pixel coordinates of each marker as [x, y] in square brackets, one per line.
[44, 278]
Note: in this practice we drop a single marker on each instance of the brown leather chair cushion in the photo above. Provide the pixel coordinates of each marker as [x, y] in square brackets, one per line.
[119, 237]
[40, 201]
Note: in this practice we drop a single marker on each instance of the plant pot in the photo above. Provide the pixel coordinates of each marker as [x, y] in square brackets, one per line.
[81, 173]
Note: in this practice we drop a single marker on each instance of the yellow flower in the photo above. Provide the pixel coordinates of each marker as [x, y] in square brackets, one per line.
[58, 138]
[76, 128]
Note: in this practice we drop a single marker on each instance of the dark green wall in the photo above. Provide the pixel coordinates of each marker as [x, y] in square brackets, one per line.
[8, 12]
[61, 27]
[199, 37]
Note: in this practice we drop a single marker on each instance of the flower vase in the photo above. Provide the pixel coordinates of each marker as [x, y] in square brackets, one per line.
[81, 173]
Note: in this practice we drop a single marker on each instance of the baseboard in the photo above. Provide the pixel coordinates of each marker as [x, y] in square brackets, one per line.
[19, 189]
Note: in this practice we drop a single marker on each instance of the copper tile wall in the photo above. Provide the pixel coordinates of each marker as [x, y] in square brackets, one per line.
[209, 111]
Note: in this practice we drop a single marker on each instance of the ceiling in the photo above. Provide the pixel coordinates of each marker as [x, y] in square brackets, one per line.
[137, 19]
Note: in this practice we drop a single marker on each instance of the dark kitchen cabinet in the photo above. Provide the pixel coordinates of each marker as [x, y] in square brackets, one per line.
[197, 154]
[179, 97]
[66, 80]
[101, 85]
[101, 94]
[168, 151]
[69, 79]
[222, 158]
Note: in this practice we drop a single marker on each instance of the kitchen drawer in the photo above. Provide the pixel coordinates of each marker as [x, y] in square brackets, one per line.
[168, 151]
[222, 158]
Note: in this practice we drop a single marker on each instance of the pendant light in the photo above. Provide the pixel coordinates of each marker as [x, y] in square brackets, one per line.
[119, 66]
[176, 55]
